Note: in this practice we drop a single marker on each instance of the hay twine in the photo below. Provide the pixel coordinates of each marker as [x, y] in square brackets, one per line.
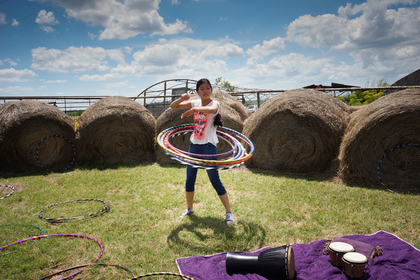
[380, 162]
[61, 235]
[61, 136]
[9, 194]
[60, 220]
[230, 159]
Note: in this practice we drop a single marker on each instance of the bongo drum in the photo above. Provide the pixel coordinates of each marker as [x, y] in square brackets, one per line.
[354, 264]
[337, 250]
[276, 263]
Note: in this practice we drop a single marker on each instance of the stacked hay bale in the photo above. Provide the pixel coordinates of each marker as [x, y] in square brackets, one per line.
[377, 128]
[23, 124]
[233, 115]
[116, 130]
[298, 130]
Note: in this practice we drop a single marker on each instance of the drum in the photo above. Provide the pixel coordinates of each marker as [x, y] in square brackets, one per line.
[337, 251]
[354, 264]
[276, 263]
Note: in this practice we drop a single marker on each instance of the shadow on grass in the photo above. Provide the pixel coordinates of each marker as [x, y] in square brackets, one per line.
[209, 235]
[97, 166]
[331, 174]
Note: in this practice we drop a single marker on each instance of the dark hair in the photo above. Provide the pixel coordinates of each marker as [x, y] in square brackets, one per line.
[218, 120]
[202, 81]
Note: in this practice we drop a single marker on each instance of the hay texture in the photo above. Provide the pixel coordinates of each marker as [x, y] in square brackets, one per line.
[297, 131]
[233, 114]
[374, 130]
[23, 124]
[116, 130]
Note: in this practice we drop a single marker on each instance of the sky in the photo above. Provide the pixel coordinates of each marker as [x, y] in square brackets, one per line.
[121, 47]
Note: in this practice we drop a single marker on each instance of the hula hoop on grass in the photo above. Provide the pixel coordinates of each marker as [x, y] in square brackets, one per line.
[162, 273]
[233, 158]
[61, 136]
[60, 220]
[37, 227]
[86, 265]
[61, 235]
[9, 194]
[380, 162]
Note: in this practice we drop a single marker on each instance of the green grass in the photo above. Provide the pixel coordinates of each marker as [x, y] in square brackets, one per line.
[143, 233]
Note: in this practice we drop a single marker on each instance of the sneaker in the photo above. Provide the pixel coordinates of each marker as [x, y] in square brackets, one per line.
[187, 212]
[230, 219]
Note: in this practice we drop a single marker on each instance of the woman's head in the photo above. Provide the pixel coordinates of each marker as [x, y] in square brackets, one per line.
[201, 82]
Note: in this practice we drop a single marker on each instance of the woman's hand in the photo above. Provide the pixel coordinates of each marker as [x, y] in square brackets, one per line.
[187, 113]
[185, 96]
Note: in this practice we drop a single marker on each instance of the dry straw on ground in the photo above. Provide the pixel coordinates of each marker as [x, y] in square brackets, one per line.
[116, 130]
[232, 111]
[23, 124]
[374, 130]
[298, 130]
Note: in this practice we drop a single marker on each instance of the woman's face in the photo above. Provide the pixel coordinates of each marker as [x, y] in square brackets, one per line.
[204, 91]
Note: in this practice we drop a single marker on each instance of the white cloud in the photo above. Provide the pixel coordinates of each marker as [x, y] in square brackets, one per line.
[117, 85]
[8, 60]
[99, 78]
[15, 22]
[381, 40]
[75, 59]
[56, 82]
[13, 75]
[376, 27]
[15, 89]
[45, 19]
[2, 18]
[267, 48]
[122, 20]
[224, 51]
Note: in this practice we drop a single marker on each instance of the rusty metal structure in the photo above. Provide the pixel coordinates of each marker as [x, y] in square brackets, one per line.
[159, 96]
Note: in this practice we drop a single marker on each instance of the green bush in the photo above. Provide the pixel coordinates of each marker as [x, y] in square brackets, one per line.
[75, 113]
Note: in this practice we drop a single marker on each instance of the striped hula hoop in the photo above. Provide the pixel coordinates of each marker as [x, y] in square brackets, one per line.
[9, 194]
[18, 224]
[61, 235]
[162, 273]
[61, 136]
[60, 220]
[233, 158]
[380, 162]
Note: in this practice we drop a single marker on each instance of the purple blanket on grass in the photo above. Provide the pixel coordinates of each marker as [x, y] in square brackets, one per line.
[400, 260]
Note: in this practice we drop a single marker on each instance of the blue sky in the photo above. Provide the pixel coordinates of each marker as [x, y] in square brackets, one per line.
[121, 47]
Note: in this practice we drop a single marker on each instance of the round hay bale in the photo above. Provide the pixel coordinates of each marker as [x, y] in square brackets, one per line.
[231, 110]
[23, 124]
[298, 131]
[116, 130]
[377, 128]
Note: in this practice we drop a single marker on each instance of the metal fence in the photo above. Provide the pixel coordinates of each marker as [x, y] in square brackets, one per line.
[159, 103]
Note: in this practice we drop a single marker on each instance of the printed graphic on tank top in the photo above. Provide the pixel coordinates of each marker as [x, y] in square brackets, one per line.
[200, 121]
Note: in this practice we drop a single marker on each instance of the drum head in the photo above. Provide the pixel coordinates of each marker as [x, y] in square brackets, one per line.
[355, 258]
[291, 263]
[341, 247]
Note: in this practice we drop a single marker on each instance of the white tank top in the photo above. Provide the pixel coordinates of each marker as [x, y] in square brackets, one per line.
[204, 128]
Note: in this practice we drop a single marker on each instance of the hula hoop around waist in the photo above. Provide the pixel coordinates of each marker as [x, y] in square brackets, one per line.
[235, 157]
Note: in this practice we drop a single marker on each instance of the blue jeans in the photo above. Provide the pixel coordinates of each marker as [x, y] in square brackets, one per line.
[207, 149]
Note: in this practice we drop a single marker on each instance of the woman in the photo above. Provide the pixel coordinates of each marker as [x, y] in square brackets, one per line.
[203, 141]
